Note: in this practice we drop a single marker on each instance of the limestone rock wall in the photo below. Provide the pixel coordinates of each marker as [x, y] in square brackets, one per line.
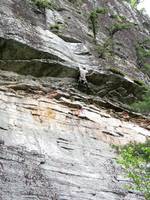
[39, 50]
[55, 148]
[56, 137]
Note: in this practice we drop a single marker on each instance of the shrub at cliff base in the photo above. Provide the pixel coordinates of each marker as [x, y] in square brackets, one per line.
[135, 160]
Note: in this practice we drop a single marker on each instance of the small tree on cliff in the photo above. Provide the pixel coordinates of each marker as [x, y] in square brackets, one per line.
[134, 3]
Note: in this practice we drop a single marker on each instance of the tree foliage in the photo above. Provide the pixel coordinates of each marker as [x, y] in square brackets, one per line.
[135, 159]
[93, 19]
[43, 3]
[143, 105]
[133, 3]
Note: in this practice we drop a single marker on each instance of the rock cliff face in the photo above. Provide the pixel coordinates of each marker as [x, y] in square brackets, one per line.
[56, 133]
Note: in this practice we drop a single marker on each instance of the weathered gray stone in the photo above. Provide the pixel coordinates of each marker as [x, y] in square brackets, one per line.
[55, 138]
[59, 147]
[39, 52]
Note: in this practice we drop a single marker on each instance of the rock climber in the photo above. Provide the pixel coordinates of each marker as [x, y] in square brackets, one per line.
[82, 78]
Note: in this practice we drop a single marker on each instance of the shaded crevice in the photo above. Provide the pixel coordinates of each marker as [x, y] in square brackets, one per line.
[13, 50]
[107, 85]
[25, 60]
[39, 68]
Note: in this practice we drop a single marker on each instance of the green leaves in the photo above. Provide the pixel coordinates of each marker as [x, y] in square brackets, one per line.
[93, 19]
[143, 55]
[143, 105]
[133, 3]
[119, 27]
[135, 160]
[43, 3]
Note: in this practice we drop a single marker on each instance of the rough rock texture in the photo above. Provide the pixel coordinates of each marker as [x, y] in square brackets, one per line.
[58, 148]
[38, 49]
[56, 137]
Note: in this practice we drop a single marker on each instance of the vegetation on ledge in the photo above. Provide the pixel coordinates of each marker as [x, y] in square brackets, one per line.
[143, 55]
[43, 3]
[93, 19]
[143, 106]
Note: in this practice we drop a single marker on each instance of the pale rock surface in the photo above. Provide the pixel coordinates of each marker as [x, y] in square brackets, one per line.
[56, 138]
[59, 149]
